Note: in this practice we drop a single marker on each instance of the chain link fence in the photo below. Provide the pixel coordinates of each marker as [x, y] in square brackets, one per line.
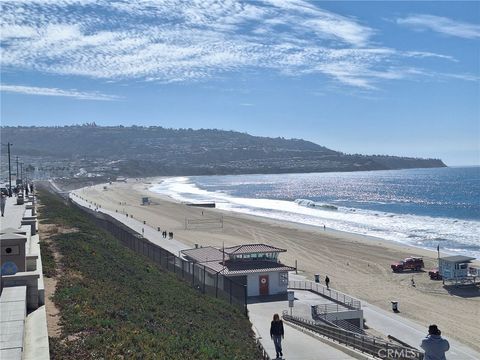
[199, 276]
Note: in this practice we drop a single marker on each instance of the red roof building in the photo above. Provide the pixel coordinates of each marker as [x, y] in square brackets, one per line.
[255, 265]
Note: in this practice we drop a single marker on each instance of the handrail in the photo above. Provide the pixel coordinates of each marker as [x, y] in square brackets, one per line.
[329, 308]
[367, 344]
[348, 326]
[334, 295]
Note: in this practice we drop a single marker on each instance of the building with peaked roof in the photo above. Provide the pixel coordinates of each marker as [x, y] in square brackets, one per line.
[254, 265]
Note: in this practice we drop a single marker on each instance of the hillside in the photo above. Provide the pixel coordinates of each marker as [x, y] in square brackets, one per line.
[115, 304]
[147, 151]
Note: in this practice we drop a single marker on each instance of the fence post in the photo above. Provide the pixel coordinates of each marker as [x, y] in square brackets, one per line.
[245, 292]
[193, 275]
[204, 280]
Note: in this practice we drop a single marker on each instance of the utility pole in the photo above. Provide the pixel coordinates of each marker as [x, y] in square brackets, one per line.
[17, 169]
[9, 172]
[21, 174]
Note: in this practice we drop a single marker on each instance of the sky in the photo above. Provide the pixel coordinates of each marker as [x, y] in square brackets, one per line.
[379, 77]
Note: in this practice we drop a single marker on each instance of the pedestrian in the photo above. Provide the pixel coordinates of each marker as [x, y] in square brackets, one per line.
[277, 334]
[413, 281]
[434, 345]
[324, 227]
[3, 201]
[31, 188]
[327, 281]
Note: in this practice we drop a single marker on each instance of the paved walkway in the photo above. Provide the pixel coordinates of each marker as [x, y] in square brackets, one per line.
[296, 345]
[13, 215]
[153, 235]
[389, 323]
[410, 332]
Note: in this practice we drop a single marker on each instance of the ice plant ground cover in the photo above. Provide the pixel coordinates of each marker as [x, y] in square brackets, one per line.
[116, 304]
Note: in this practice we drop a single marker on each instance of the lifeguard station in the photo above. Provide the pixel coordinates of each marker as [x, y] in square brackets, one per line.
[457, 269]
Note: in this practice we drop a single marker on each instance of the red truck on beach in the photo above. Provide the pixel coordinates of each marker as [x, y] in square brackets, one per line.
[410, 263]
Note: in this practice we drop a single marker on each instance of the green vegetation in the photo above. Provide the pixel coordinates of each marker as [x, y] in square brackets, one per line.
[151, 151]
[48, 261]
[116, 304]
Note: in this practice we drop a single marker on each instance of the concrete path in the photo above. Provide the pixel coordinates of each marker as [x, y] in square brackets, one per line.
[153, 235]
[296, 345]
[389, 323]
[410, 332]
[13, 214]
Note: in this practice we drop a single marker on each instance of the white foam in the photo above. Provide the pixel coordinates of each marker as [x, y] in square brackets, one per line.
[459, 236]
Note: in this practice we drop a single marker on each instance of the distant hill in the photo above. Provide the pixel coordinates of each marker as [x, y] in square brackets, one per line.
[149, 151]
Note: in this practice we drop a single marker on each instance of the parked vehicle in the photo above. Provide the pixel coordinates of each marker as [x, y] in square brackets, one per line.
[410, 263]
[435, 274]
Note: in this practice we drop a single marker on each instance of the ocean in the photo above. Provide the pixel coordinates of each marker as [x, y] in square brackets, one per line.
[419, 207]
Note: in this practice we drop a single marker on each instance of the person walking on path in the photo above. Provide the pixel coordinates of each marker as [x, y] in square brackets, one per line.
[277, 334]
[434, 345]
[327, 282]
[3, 201]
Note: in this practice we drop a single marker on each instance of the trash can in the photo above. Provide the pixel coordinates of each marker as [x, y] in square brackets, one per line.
[395, 306]
[317, 278]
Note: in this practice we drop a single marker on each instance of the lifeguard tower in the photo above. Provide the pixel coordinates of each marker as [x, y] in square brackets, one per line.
[457, 269]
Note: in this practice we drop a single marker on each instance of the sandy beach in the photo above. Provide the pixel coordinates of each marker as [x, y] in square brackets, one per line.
[358, 265]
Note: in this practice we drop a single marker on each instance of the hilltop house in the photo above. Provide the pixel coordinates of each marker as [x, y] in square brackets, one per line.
[254, 265]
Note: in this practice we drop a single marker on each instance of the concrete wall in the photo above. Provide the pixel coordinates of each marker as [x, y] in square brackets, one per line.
[28, 279]
[353, 316]
[274, 285]
[13, 250]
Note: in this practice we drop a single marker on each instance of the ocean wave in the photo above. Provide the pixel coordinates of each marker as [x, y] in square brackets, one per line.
[313, 204]
[424, 231]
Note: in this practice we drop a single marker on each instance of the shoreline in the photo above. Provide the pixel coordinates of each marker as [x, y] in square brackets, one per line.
[358, 265]
[419, 250]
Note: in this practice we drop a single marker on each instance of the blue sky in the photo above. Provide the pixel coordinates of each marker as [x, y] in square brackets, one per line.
[377, 77]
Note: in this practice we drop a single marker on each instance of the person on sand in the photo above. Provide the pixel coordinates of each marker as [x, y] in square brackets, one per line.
[277, 334]
[3, 201]
[327, 282]
[434, 345]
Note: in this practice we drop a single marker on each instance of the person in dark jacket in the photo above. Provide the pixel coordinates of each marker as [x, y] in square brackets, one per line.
[434, 345]
[277, 334]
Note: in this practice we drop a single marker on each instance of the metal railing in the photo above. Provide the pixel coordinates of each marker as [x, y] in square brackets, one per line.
[374, 346]
[329, 308]
[334, 295]
[344, 324]
[262, 350]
